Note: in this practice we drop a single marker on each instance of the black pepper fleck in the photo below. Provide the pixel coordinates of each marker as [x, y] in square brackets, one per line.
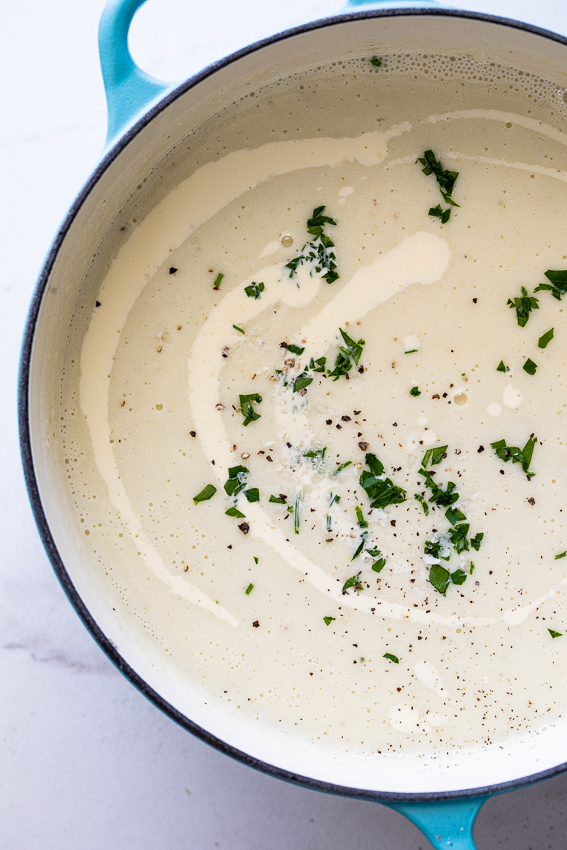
[244, 527]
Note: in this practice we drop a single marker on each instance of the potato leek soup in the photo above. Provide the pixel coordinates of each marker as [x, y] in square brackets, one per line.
[315, 430]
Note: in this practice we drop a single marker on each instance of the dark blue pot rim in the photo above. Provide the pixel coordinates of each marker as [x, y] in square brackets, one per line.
[25, 442]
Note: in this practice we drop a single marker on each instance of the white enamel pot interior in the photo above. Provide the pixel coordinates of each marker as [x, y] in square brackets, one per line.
[86, 243]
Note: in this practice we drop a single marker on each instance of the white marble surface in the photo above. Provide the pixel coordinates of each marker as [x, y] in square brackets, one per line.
[85, 761]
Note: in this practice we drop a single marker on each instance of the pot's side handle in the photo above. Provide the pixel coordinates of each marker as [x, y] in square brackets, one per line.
[129, 90]
[446, 823]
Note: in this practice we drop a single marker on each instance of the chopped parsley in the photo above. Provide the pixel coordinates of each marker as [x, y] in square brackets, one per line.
[443, 498]
[529, 366]
[253, 494]
[477, 540]
[523, 306]
[458, 577]
[206, 493]
[545, 339]
[255, 559]
[435, 455]
[353, 581]
[515, 454]
[240, 330]
[278, 500]
[458, 537]
[301, 382]
[555, 634]
[434, 549]
[391, 657]
[376, 62]
[217, 281]
[296, 514]
[317, 365]
[446, 180]
[342, 466]
[378, 566]
[318, 454]
[441, 578]
[423, 503]
[454, 515]
[236, 483]
[561, 555]
[236, 513]
[381, 491]
[295, 349]
[502, 368]
[319, 250]
[360, 517]
[254, 290]
[247, 403]
[249, 589]
[328, 620]
[359, 550]
[348, 356]
[557, 283]
[415, 391]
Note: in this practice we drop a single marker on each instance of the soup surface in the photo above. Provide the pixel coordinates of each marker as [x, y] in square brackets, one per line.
[315, 431]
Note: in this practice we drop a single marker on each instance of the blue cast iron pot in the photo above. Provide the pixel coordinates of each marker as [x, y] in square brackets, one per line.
[147, 118]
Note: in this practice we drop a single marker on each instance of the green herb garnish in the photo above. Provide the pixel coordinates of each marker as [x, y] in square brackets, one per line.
[516, 455]
[217, 282]
[458, 537]
[415, 391]
[249, 589]
[557, 283]
[296, 514]
[434, 549]
[381, 491]
[555, 634]
[319, 453]
[477, 540]
[376, 62]
[319, 250]
[295, 349]
[247, 403]
[545, 339]
[236, 513]
[423, 503]
[342, 466]
[353, 581]
[440, 578]
[523, 306]
[253, 494]
[328, 620]
[378, 566]
[240, 330]
[278, 500]
[443, 498]
[236, 483]
[391, 657]
[502, 368]
[454, 515]
[435, 455]
[301, 382]
[360, 517]
[254, 290]
[561, 555]
[446, 180]
[359, 549]
[317, 365]
[458, 577]
[348, 356]
[529, 366]
[255, 559]
[206, 493]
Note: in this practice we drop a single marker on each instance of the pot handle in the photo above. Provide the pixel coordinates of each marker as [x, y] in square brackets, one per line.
[129, 90]
[446, 823]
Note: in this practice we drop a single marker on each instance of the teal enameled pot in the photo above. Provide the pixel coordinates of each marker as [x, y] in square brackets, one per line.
[147, 120]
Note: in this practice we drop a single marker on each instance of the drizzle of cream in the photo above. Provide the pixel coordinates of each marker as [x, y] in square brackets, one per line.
[411, 343]
[517, 616]
[405, 718]
[270, 248]
[494, 410]
[511, 397]
[428, 675]
[344, 193]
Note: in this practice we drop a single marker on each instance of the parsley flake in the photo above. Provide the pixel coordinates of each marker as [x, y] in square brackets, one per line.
[320, 250]
[381, 491]
[295, 349]
[301, 382]
[240, 330]
[561, 555]
[254, 290]
[249, 589]
[236, 483]
[440, 578]
[555, 634]
[391, 657]
[557, 283]
[353, 581]
[278, 500]
[236, 513]
[502, 368]
[423, 503]
[328, 620]
[523, 306]
[477, 540]
[342, 466]
[515, 454]
[415, 391]
[376, 62]
[206, 493]
[348, 356]
[360, 517]
[545, 339]
[529, 366]
[253, 494]
[247, 403]
[446, 181]
[435, 455]
[217, 281]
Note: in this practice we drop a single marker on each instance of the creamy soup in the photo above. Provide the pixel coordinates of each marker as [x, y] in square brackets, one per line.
[315, 430]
